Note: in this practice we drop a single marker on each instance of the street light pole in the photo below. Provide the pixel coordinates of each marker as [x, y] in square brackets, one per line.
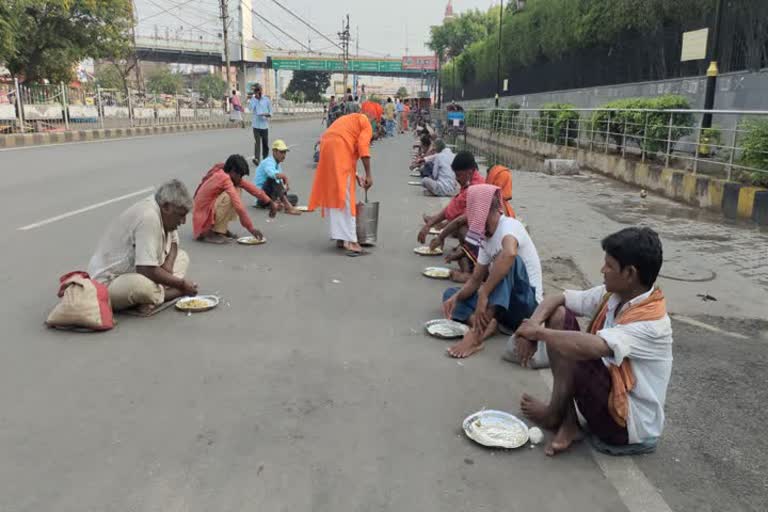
[713, 71]
[498, 56]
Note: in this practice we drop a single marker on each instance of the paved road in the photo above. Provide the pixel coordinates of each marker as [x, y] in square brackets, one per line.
[312, 388]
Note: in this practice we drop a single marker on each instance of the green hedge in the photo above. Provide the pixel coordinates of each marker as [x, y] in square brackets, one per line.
[557, 123]
[649, 130]
[755, 150]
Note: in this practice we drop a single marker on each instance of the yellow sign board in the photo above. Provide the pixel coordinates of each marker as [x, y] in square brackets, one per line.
[695, 45]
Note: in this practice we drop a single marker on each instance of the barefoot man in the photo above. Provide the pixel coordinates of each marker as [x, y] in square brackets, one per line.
[347, 140]
[217, 202]
[270, 178]
[505, 286]
[617, 372]
[139, 258]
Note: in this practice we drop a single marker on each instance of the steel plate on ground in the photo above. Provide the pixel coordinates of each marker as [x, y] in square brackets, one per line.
[197, 304]
[496, 429]
[446, 329]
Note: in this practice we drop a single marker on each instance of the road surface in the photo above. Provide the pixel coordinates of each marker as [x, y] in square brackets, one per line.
[313, 387]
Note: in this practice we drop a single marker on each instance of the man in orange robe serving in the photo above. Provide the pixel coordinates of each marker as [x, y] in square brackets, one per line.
[347, 140]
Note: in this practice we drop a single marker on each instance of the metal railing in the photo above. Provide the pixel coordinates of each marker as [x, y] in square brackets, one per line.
[735, 147]
[39, 108]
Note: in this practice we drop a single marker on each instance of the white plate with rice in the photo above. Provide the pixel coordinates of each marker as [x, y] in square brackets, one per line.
[496, 429]
[446, 329]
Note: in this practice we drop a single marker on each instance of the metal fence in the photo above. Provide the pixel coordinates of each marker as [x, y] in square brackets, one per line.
[735, 147]
[37, 108]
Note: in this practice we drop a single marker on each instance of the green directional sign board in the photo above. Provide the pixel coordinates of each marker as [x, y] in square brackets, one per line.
[376, 66]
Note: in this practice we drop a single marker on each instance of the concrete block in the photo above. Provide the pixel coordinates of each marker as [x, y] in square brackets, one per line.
[561, 167]
[731, 200]
[715, 189]
[747, 201]
[760, 208]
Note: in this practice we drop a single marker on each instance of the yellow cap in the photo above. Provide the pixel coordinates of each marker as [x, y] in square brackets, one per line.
[279, 145]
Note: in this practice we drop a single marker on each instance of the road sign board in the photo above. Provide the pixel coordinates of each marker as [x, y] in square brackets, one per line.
[337, 65]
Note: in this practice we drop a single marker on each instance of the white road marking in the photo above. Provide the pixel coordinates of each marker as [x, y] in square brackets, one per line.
[712, 328]
[635, 490]
[86, 209]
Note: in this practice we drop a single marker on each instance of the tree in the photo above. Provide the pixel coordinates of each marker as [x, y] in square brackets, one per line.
[164, 82]
[401, 93]
[311, 83]
[47, 38]
[109, 76]
[454, 36]
[212, 86]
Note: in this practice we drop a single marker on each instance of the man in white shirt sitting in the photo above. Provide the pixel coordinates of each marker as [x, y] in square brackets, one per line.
[506, 285]
[617, 372]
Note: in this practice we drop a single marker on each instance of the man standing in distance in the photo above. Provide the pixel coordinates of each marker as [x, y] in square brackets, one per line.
[261, 108]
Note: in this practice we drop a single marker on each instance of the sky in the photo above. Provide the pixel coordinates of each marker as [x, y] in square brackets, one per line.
[386, 27]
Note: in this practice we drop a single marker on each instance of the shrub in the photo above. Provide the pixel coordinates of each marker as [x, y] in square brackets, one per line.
[624, 120]
[755, 150]
[557, 123]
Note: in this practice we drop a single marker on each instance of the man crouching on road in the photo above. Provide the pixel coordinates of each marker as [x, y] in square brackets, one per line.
[270, 178]
[139, 259]
[617, 372]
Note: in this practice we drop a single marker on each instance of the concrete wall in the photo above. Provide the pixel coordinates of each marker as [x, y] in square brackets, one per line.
[742, 90]
[733, 200]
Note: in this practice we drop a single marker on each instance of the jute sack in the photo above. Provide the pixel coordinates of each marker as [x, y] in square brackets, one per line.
[84, 304]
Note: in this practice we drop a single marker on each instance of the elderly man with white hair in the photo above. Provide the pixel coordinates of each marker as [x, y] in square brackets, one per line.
[139, 259]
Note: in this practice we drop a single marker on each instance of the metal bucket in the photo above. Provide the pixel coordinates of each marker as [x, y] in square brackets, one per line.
[367, 222]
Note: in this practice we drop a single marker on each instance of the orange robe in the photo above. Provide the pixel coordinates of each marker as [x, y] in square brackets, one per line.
[502, 177]
[346, 141]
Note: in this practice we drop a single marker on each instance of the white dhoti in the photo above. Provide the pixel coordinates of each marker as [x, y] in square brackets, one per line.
[342, 223]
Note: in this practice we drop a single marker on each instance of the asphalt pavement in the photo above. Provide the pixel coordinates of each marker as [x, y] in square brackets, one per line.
[313, 387]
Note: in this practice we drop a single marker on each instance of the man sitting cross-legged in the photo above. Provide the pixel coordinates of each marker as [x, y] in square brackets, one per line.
[506, 285]
[617, 372]
[217, 202]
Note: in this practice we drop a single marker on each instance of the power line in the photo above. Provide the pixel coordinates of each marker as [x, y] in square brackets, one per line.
[308, 25]
[166, 10]
[281, 30]
[186, 22]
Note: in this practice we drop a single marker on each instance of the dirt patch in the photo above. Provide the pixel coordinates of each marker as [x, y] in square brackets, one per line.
[562, 273]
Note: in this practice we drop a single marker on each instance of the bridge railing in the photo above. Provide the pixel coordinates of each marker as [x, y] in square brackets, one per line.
[39, 108]
[734, 147]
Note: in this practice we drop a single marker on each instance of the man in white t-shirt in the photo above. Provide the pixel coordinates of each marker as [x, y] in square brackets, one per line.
[617, 372]
[139, 258]
[506, 285]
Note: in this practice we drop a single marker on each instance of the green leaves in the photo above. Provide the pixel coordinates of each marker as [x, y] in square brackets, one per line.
[164, 82]
[755, 149]
[45, 39]
[308, 85]
[212, 86]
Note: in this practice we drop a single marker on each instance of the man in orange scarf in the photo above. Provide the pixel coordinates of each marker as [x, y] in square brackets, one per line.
[347, 140]
[617, 372]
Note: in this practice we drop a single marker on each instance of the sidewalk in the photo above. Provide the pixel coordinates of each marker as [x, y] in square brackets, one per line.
[60, 137]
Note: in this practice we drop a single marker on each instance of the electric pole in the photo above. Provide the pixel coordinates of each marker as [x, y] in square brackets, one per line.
[344, 36]
[498, 55]
[713, 71]
[357, 56]
[225, 27]
[134, 56]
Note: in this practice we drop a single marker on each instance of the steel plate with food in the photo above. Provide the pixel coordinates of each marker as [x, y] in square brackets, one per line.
[197, 304]
[251, 240]
[497, 429]
[446, 329]
[426, 251]
[437, 272]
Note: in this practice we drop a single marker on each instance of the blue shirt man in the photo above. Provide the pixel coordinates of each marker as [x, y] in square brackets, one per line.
[268, 168]
[261, 108]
